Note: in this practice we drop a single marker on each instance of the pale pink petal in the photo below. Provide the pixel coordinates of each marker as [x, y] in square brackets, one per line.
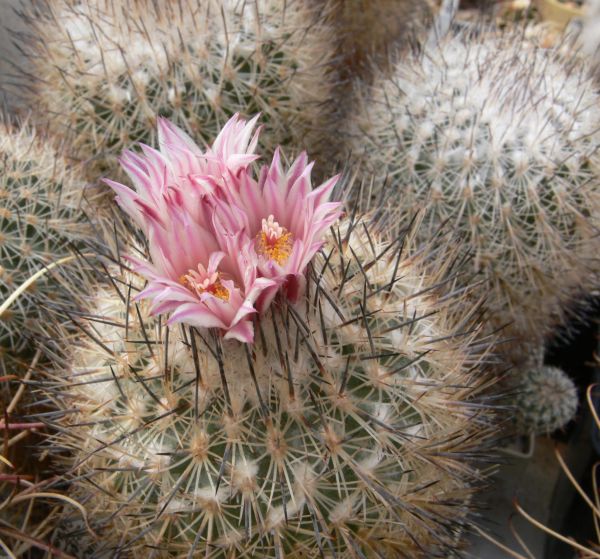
[321, 194]
[197, 314]
[243, 331]
[266, 297]
[297, 167]
[243, 312]
[126, 198]
[137, 173]
[214, 261]
[170, 134]
[157, 169]
[301, 184]
[274, 194]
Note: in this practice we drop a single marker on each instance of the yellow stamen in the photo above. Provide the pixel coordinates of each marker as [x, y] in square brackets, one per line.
[274, 241]
[215, 287]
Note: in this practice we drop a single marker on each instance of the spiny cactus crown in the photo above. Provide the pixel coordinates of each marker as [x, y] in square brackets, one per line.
[546, 400]
[500, 140]
[347, 428]
[107, 69]
[39, 217]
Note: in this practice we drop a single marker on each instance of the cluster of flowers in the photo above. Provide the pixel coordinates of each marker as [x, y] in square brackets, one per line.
[222, 244]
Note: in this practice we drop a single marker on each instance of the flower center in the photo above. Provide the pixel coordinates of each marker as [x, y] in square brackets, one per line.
[274, 241]
[204, 282]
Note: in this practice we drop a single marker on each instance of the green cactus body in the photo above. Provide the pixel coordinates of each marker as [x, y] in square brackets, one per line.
[347, 429]
[39, 217]
[498, 140]
[545, 400]
[108, 69]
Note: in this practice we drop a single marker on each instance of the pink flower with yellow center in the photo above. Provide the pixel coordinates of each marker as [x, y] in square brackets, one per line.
[221, 244]
[285, 217]
[203, 274]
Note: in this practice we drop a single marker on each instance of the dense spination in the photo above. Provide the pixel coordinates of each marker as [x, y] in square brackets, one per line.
[105, 70]
[40, 217]
[499, 141]
[348, 428]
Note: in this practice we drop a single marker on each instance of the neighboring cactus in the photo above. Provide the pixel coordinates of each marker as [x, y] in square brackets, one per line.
[499, 141]
[366, 37]
[545, 400]
[588, 548]
[348, 429]
[105, 70]
[39, 217]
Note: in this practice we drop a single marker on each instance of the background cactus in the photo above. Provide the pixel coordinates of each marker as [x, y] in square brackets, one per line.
[40, 215]
[545, 400]
[105, 70]
[348, 429]
[500, 141]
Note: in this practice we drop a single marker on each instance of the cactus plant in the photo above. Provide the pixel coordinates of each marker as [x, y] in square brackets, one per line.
[40, 200]
[104, 70]
[347, 429]
[499, 140]
[545, 400]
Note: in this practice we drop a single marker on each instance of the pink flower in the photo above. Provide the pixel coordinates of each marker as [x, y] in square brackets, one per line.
[218, 292]
[234, 147]
[230, 154]
[221, 243]
[206, 276]
[284, 217]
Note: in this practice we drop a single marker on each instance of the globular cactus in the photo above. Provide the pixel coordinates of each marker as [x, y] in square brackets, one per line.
[499, 141]
[545, 400]
[348, 429]
[40, 215]
[105, 70]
